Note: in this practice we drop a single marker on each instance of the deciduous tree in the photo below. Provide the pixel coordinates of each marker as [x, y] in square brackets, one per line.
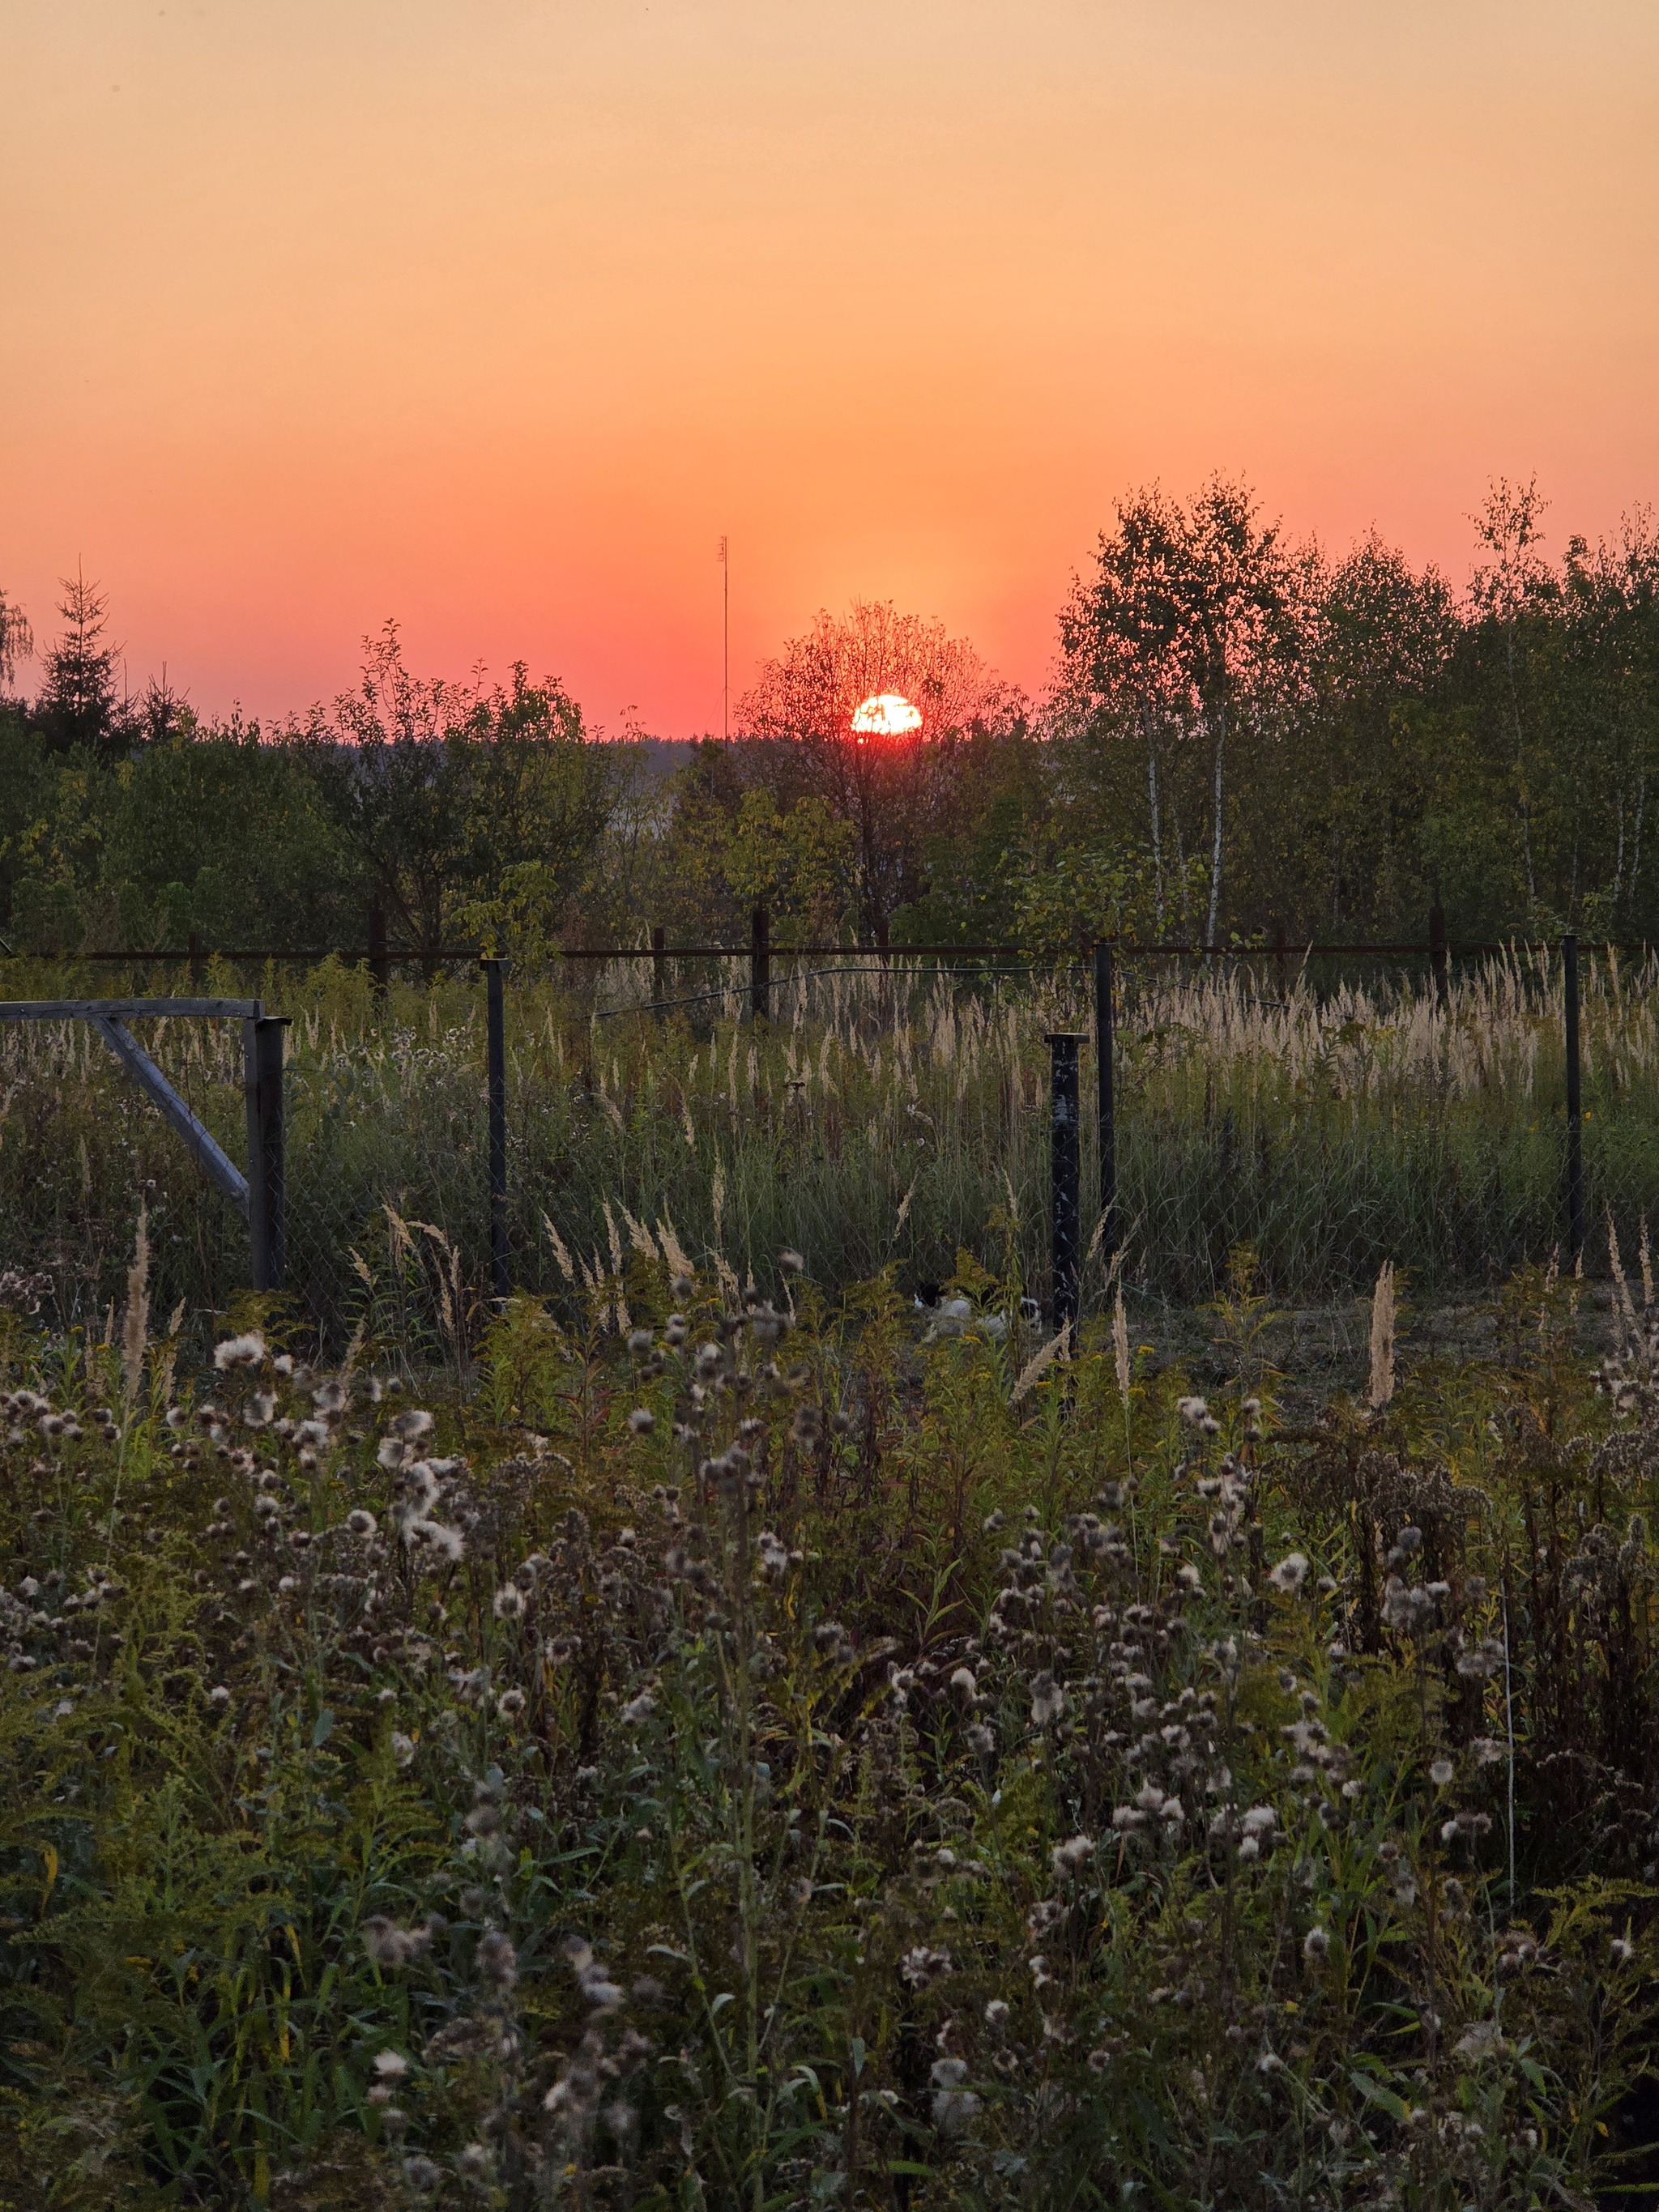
[894, 790]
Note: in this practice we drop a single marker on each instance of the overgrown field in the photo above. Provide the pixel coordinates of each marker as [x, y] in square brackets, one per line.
[869, 1124]
[777, 1750]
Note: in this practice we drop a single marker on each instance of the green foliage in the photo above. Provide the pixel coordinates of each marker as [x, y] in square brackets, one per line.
[1242, 736]
[797, 863]
[806, 1755]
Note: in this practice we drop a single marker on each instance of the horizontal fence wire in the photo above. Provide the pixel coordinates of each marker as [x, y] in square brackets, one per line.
[892, 1115]
[1125, 948]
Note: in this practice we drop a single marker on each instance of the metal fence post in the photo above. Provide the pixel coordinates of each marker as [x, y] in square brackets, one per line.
[380, 968]
[1062, 1048]
[760, 963]
[1106, 1072]
[1575, 1103]
[1437, 949]
[262, 1064]
[659, 962]
[497, 1076]
[197, 967]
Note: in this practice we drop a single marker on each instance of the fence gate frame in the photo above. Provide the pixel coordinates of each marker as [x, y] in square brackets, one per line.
[257, 1195]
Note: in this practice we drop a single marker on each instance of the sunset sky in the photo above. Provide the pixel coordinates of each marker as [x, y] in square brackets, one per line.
[494, 317]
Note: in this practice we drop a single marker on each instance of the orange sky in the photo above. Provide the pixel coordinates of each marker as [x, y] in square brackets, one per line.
[493, 316]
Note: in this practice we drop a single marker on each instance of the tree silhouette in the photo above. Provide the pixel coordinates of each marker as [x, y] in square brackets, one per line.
[16, 639]
[79, 704]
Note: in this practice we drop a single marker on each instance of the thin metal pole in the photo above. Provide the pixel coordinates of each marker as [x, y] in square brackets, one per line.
[497, 1074]
[198, 970]
[1437, 949]
[1062, 1048]
[262, 1060]
[1575, 1103]
[1106, 1071]
[726, 639]
[380, 969]
[659, 962]
[760, 964]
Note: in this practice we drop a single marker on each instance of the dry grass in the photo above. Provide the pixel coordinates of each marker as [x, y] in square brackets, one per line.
[871, 1123]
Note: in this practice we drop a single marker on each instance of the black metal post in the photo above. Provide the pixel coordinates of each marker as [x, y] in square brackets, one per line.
[262, 1060]
[1437, 949]
[1575, 1103]
[760, 964]
[380, 968]
[1062, 1048]
[659, 962]
[1106, 1071]
[198, 969]
[497, 1057]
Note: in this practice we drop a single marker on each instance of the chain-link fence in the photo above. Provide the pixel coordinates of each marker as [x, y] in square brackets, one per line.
[1325, 1110]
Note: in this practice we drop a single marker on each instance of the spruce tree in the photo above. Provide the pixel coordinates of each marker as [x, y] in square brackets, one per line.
[79, 704]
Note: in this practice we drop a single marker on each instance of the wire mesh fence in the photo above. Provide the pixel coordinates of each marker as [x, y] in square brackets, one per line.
[1326, 1111]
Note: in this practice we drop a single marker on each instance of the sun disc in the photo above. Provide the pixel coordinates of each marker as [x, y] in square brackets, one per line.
[885, 715]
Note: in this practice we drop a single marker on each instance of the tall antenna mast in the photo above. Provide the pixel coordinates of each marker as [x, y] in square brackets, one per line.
[725, 641]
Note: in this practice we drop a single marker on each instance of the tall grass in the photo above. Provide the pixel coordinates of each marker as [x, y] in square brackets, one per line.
[874, 1121]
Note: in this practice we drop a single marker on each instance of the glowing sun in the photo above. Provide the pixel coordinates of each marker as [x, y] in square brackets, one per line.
[887, 715]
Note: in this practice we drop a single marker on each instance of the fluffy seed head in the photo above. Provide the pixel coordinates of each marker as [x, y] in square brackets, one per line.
[246, 1351]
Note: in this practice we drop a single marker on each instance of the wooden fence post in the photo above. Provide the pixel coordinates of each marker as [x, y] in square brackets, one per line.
[760, 964]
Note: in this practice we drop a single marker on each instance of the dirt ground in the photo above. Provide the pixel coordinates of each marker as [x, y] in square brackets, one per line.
[1319, 1350]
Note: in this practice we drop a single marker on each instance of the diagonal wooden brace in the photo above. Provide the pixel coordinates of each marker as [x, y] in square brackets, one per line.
[144, 1071]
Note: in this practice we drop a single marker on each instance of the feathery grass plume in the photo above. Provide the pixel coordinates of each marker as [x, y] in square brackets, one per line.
[1645, 1254]
[1057, 1347]
[560, 1253]
[640, 1236]
[1383, 1314]
[673, 1251]
[170, 1349]
[903, 1213]
[1624, 1305]
[399, 1242]
[612, 1239]
[135, 1331]
[1120, 1344]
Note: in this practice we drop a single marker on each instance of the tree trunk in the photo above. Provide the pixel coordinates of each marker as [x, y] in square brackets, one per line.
[1635, 841]
[1520, 761]
[1157, 839]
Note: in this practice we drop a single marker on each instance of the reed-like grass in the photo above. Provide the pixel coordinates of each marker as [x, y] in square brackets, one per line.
[874, 1120]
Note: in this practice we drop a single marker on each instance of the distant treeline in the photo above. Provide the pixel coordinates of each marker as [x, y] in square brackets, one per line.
[1242, 736]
